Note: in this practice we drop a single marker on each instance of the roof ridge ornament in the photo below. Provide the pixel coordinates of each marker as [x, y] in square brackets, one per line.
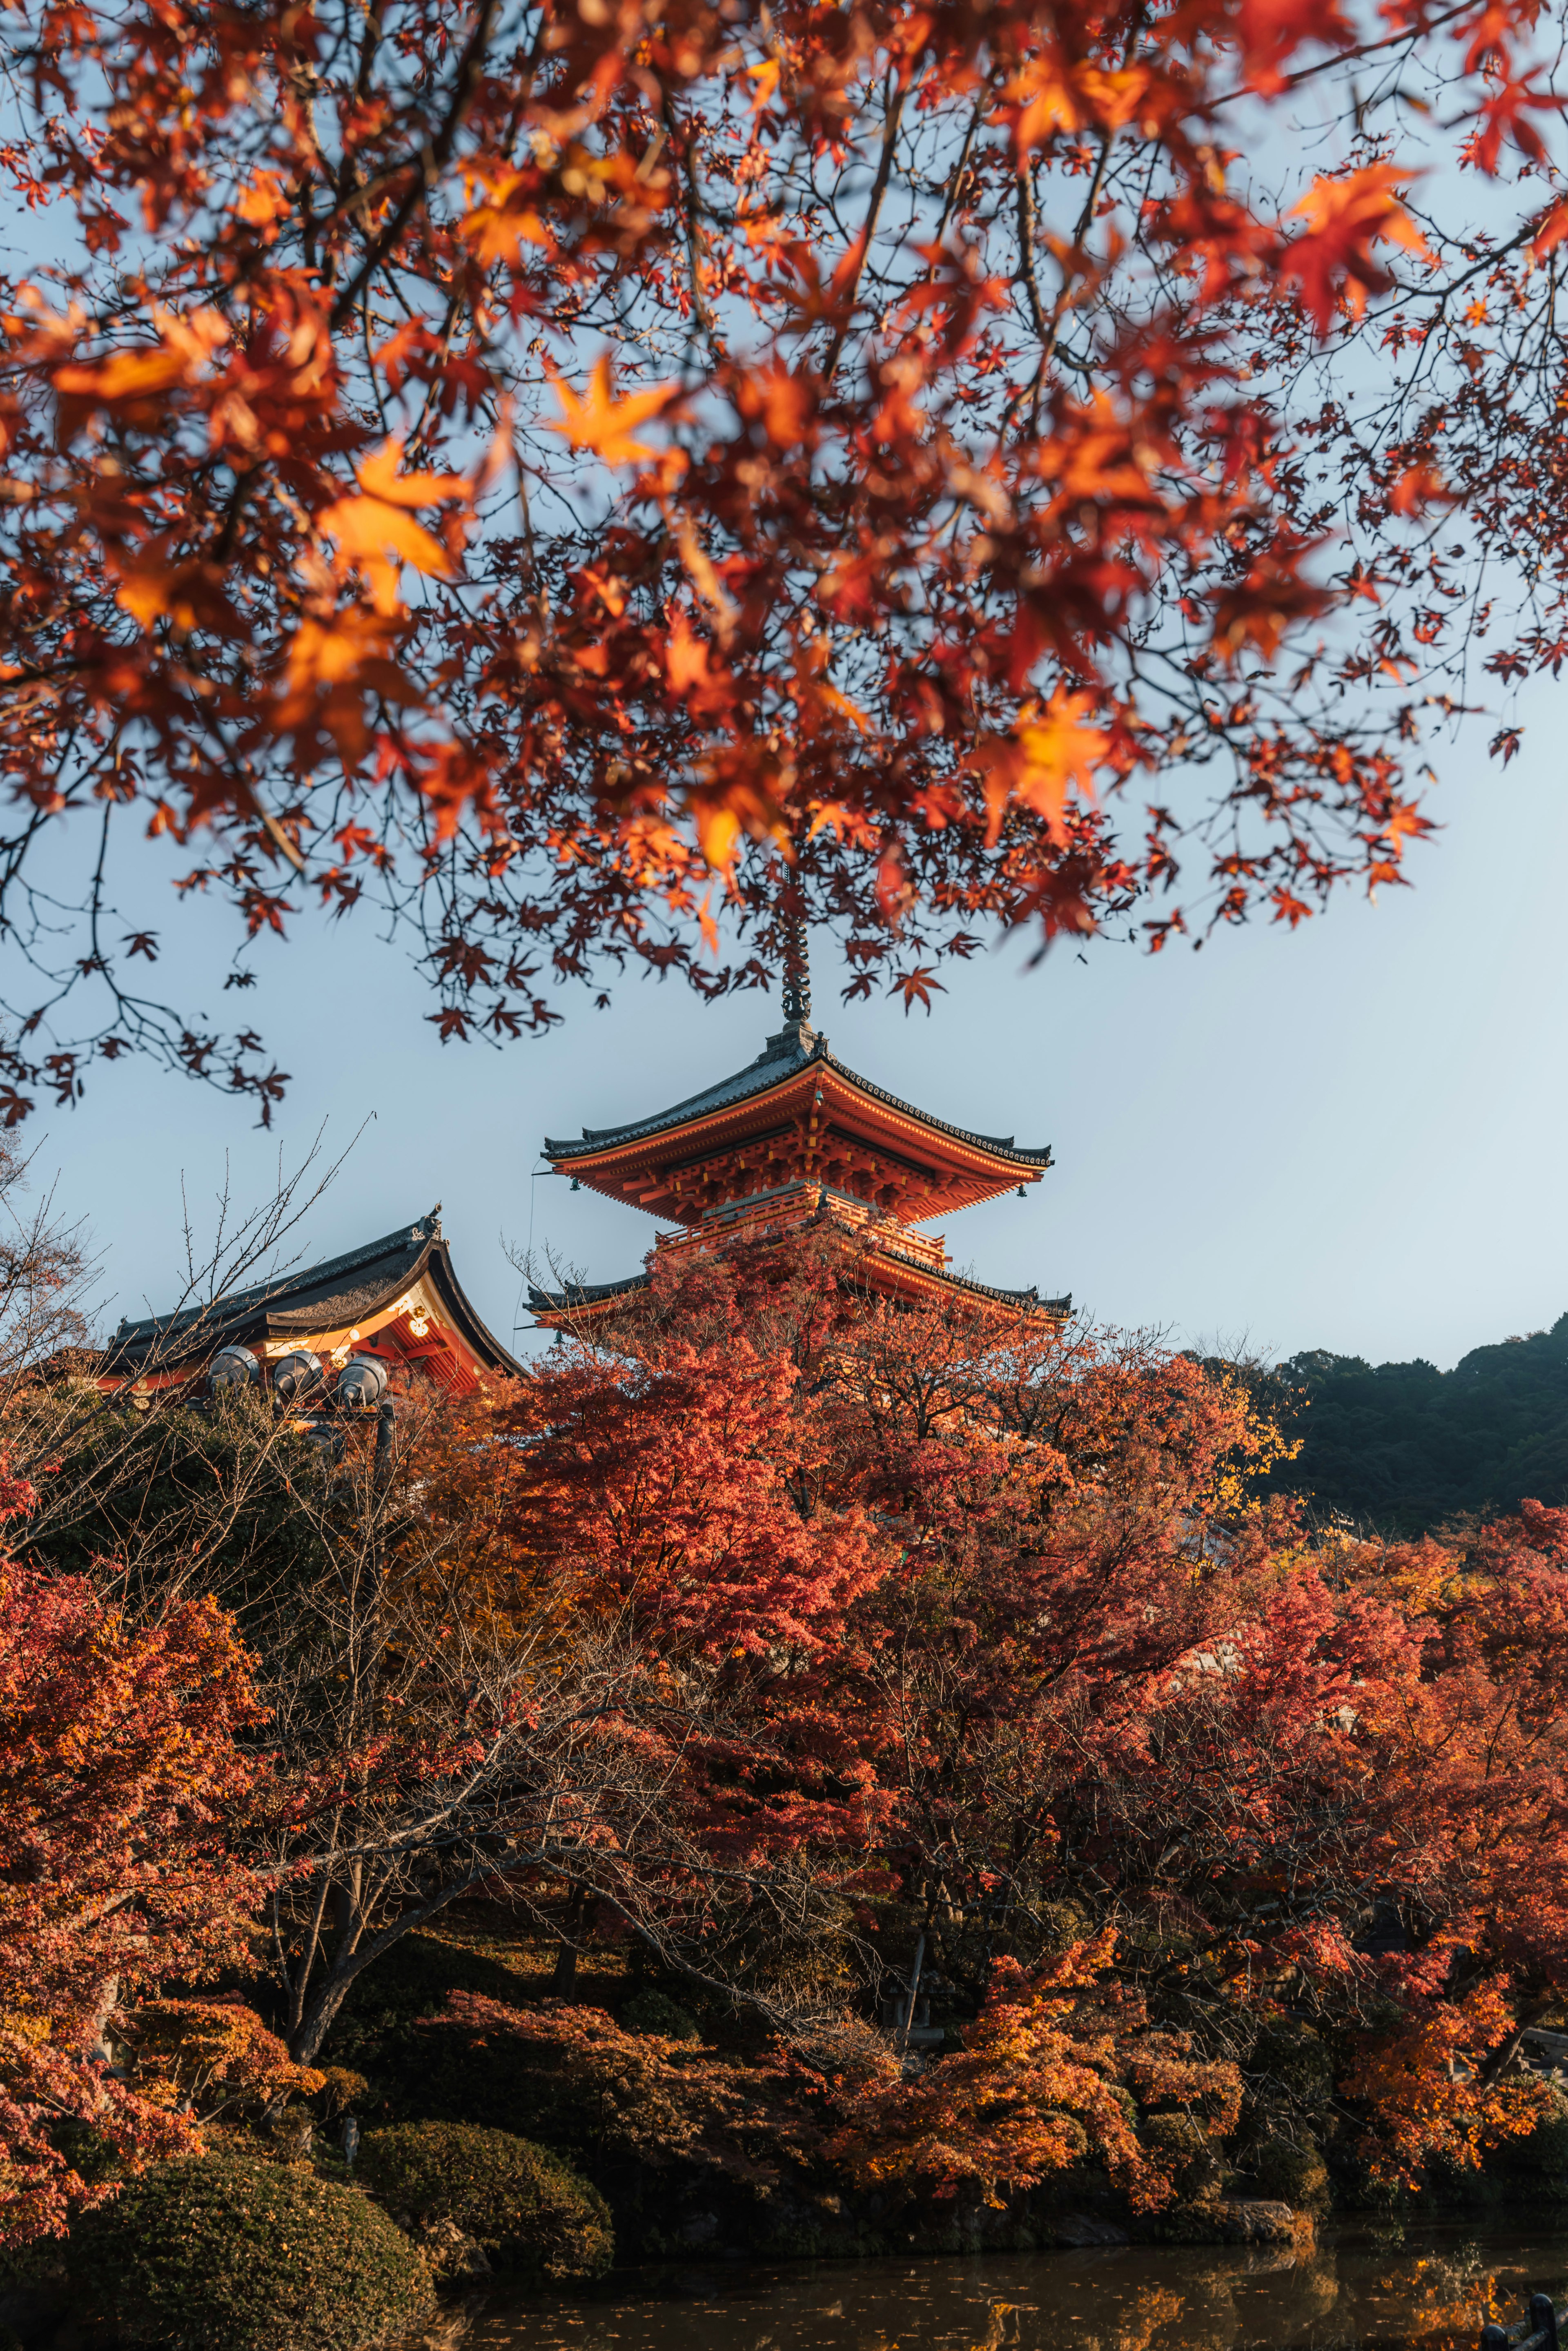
[797, 968]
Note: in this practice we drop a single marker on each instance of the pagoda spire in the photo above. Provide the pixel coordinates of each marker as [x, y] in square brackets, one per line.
[797, 962]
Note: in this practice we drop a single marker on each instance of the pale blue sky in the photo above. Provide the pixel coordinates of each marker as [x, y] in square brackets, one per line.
[1351, 1138]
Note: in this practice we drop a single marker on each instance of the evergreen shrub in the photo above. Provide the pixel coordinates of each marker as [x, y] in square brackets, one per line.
[1295, 2174]
[655, 2012]
[528, 2209]
[225, 2254]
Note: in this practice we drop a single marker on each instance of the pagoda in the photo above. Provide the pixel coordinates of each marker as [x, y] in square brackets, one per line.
[798, 1141]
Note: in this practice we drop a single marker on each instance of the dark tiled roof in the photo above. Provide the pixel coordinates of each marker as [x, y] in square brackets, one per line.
[584, 1293]
[783, 1056]
[594, 1294]
[343, 1290]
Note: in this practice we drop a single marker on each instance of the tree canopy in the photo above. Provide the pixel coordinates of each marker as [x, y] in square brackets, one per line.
[600, 480]
[1405, 1446]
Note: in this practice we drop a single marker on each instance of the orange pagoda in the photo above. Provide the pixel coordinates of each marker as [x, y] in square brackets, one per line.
[796, 1140]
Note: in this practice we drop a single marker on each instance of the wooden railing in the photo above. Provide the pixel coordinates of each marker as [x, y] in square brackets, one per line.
[1540, 2331]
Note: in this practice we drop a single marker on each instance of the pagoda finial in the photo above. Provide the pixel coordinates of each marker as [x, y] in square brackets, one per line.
[796, 970]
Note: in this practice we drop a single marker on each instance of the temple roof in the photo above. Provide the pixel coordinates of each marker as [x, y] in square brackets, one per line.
[916, 1164]
[333, 1296]
[578, 1295]
[783, 1057]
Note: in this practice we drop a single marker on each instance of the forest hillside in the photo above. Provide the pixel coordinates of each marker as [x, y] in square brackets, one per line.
[1405, 1446]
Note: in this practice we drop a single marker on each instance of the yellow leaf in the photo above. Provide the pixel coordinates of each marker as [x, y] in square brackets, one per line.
[718, 829]
[380, 539]
[377, 532]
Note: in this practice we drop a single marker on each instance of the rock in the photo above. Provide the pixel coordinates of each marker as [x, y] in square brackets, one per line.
[452, 2255]
[1260, 2224]
[1076, 2228]
[1235, 2221]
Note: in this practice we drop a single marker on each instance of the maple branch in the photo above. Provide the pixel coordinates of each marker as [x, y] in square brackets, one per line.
[868, 228]
[955, 186]
[434, 155]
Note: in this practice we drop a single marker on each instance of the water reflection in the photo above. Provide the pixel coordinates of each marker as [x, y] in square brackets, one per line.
[1436, 2288]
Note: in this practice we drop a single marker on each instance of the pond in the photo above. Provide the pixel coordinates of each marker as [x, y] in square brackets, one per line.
[1435, 2287]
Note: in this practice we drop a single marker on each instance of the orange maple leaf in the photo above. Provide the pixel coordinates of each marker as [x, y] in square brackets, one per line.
[377, 533]
[1273, 30]
[1050, 753]
[497, 231]
[604, 423]
[134, 379]
[334, 667]
[1331, 260]
[691, 673]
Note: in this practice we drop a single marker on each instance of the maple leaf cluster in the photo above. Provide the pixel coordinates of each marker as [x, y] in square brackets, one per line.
[599, 484]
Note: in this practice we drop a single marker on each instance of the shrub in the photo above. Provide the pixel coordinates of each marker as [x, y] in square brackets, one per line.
[1296, 2175]
[1289, 2057]
[654, 2011]
[222, 2253]
[1185, 2153]
[525, 2206]
[608, 2099]
[1538, 2161]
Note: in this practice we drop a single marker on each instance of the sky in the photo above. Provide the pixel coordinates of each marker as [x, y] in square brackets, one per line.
[1350, 1138]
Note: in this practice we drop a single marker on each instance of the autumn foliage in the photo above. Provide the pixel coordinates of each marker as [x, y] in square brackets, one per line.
[824, 1656]
[121, 1774]
[1155, 1776]
[572, 477]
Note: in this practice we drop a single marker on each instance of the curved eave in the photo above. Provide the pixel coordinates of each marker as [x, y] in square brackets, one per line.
[913, 1280]
[486, 1348]
[581, 1300]
[584, 1302]
[978, 1167]
[603, 1142]
[180, 1342]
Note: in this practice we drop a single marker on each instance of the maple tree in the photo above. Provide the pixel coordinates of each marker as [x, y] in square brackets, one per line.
[1055, 2071]
[504, 1664]
[121, 1774]
[1093, 1690]
[594, 481]
[211, 2058]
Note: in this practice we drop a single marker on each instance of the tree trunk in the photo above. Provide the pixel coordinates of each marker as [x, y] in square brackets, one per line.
[564, 1974]
[319, 2015]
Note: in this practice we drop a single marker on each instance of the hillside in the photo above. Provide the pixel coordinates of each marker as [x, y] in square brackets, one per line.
[1403, 1445]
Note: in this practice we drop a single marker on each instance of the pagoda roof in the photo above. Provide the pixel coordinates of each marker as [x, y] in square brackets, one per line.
[579, 1297]
[316, 1299]
[941, 1165]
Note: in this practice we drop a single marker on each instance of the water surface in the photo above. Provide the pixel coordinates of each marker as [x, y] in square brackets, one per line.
[1358, 2292]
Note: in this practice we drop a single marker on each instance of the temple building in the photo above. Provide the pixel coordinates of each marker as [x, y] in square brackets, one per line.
[796, 1140]
[395, 1303]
